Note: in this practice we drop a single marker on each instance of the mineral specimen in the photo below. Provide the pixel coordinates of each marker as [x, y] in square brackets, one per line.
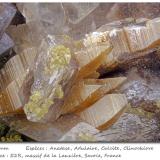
[81, 132]
[91, 58]
[6, 52]
[106, 111]
[88, 91]
[130, 39]
[53, 72]
[7, 12]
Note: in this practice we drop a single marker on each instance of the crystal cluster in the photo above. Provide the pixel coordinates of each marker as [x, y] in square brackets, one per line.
[56, 68]
[7, 12]
[52, 74]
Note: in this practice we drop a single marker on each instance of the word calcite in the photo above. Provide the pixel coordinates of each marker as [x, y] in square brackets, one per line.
[96, 148]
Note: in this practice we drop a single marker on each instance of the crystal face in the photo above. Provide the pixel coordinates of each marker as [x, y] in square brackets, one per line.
[6, 45]
[54, 66]
[50, 71]
[7, 12]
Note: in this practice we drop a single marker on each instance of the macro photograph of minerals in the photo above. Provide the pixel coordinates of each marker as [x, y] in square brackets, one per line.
[80, 72]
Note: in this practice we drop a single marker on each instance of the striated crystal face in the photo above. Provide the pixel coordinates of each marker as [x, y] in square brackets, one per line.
[52, 72]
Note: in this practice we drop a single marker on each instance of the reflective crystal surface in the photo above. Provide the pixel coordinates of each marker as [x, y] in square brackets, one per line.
[7, 12]
[6, 45]
[140, 122]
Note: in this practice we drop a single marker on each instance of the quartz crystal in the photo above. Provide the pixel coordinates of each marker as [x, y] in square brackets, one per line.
[26, 35]
[43, 132]
[66, 16]
[81, 132]
[51, 69]
[52, 72]
[75, 12]
[43, 14]
[7, 12]
[6, 45]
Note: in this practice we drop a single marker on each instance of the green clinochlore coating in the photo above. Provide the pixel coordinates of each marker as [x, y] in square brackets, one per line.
[10, 135]
[59, 92]
[59, 57]
[85, 137]
[12, 138]
[36, 107]
[3, 129]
